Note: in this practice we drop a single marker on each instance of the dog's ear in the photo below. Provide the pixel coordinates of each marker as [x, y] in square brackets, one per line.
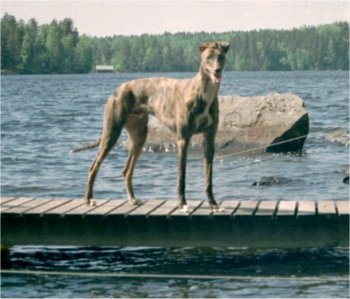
[203, 46]
[224, 46]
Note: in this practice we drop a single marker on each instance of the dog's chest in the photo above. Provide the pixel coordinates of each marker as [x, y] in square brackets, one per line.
[201, 115]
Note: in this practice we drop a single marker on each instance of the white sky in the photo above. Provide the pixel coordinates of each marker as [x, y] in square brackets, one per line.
[106, 18]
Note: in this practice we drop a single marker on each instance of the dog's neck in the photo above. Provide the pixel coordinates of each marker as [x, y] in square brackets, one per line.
[206, 88]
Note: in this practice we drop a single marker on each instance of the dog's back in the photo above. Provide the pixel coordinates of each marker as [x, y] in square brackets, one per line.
[158, 96]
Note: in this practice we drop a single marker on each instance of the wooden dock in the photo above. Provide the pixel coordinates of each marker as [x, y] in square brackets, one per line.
[244, 223]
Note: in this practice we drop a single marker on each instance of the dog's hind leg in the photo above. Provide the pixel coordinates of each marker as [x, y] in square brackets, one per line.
[106, 145]
[136, 127]
[114, 120]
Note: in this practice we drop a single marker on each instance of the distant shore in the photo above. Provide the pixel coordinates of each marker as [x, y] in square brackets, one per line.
[13, 73]
[58, 48]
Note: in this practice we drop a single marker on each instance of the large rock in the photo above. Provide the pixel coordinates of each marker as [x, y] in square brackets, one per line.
[247, 123]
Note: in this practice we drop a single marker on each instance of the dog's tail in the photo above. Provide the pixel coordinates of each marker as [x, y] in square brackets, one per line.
[86, 147]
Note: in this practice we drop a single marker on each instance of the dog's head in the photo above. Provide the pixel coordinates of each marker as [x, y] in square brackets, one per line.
[213, 59]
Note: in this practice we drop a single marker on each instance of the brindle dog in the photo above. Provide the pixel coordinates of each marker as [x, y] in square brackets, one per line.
[187, 107]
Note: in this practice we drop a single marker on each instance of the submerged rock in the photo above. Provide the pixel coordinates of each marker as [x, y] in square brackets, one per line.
[340, 137]
[272, 181]
[247, 123]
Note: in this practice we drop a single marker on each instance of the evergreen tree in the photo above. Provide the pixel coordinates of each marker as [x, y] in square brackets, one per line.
[41, 59]
[83, 57]
[11, 42]
[69, 39]
[28, 50]
[54, 48]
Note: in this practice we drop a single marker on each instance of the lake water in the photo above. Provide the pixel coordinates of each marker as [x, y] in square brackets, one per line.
[44, 117]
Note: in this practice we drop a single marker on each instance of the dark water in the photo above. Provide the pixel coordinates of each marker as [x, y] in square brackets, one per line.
[43, 117]
[317, 273]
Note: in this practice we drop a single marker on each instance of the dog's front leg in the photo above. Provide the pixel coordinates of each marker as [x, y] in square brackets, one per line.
[182, 147]
[209, 151]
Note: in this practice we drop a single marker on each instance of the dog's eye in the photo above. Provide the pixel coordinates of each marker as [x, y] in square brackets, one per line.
[221, 57]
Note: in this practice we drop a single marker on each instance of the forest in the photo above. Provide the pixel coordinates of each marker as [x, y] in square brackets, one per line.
[58, 48]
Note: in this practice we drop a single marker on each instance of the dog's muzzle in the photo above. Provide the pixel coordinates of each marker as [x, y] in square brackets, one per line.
[215, 77]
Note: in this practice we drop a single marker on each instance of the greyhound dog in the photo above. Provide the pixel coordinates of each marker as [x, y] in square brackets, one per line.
[187, 107]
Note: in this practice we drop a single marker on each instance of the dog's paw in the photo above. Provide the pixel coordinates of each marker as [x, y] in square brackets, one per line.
[136, 202]
[185, 209]
[91, 203]
[217, 209]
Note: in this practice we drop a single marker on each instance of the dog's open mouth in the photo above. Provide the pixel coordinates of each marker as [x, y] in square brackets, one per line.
[215, 78]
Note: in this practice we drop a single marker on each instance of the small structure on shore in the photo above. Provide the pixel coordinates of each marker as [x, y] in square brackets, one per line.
[104, 69]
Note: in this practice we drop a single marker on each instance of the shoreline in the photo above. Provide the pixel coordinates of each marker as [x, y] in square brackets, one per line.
[13, 73]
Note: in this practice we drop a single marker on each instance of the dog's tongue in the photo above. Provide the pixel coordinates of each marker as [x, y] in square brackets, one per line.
[215, 78]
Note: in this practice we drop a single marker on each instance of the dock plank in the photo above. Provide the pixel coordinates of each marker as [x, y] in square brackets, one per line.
[123, 209]
[18, 201]
[26, 206]
[286, 208]
[246, 208]
[63, 209]
[306, 208]
[326, 207]
[6, 199]
[203, 210]
[343, 207]
[47, 206]
[107, 207]
[14, 203]
[165, 209]
[146, 208]
[267, 208]
[193, 205]
[229, 207]
[84, 209]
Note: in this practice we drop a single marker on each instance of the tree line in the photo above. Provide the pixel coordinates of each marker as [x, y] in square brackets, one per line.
[29, 48]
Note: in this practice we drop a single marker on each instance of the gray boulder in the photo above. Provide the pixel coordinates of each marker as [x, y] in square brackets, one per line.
[247, 123]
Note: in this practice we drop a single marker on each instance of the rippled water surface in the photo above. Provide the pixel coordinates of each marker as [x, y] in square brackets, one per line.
[317, 273]
[43, 117]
